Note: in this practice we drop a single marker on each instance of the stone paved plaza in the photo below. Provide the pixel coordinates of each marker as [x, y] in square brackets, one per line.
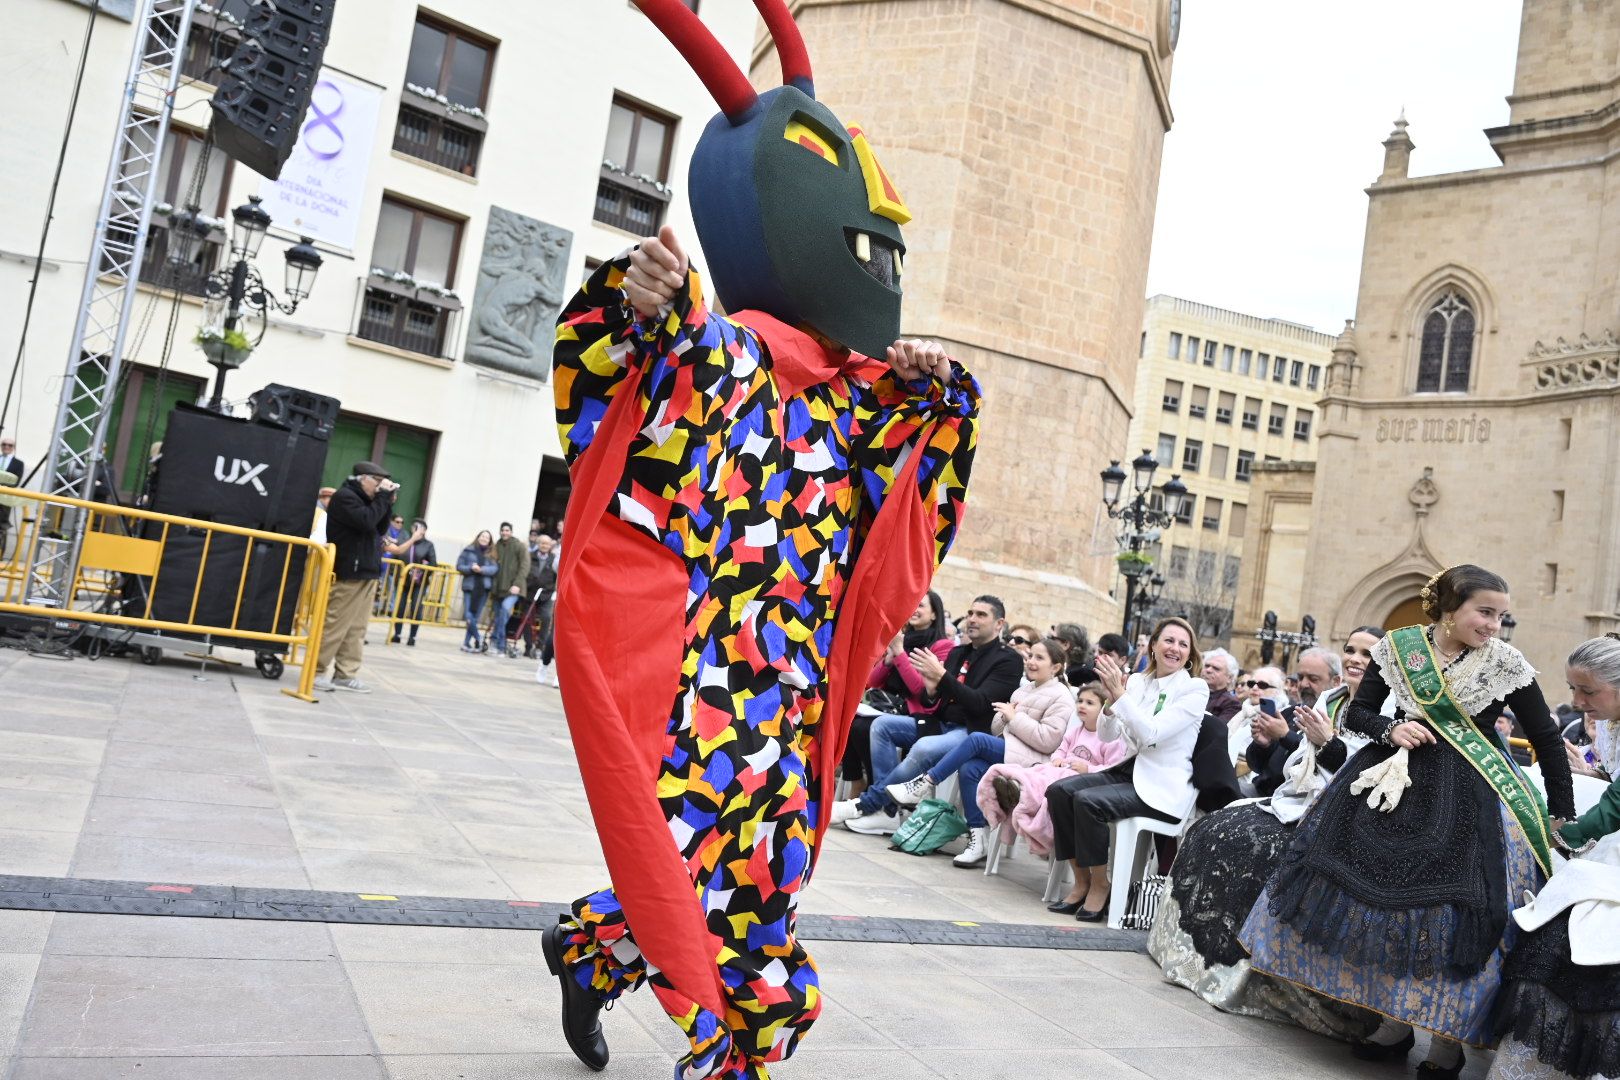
[456, 778]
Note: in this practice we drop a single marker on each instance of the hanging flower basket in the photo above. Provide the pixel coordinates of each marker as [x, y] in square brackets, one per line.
[1133, 563]
[227, 348]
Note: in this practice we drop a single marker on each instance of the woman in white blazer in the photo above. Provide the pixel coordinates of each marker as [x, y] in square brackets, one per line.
[1158, 713]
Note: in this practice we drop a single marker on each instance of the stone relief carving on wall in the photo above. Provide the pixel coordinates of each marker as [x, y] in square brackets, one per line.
[521, 286]
[1585, 361]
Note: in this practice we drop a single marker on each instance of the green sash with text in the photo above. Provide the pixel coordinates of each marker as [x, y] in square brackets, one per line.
[1421, 670]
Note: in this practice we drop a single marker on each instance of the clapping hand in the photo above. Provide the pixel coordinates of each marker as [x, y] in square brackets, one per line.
[1005, 710]
[927, 664]
[1316, 725]
[1111, 673]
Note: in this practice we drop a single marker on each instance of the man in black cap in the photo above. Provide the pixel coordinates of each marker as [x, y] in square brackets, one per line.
[356, 517]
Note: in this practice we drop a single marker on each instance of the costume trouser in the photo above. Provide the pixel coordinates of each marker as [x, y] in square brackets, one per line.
[924, 754]
[344, 632]
[746, 830]
[971, 759]
[1082, 808]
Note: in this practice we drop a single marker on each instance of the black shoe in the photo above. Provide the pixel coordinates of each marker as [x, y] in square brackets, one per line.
[580, 1008]
[411, 642]
[1430, 1071]
[395, 640]
[1060, 908]
[1100, 915]
[1371, 1051]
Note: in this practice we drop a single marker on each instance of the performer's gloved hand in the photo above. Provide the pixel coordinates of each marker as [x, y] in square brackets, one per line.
[913, 359]
[657, 272]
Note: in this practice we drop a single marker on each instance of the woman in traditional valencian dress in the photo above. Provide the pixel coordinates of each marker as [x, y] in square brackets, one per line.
[1559, 1010]
[1395, 891]
[1224, 860]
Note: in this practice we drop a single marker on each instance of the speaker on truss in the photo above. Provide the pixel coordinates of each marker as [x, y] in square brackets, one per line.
[265, 91]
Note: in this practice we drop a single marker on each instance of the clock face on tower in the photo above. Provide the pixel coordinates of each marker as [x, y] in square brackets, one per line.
[1169, 26]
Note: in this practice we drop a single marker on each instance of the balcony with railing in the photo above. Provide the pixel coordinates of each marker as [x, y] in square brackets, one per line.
[439, 135]
[407, 316]
[630, 203]
[190, 278]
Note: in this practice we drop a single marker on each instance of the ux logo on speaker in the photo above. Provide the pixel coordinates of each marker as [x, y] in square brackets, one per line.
[241, 472]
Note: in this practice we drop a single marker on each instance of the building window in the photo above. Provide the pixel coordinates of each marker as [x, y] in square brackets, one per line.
[1228, 353]
[1262, 369]
[413, 315]
[1198, 404]
[1245, 359]
[1172, 395]
[1217, 461]
[1237, 522]
[1233, 568]
[1296, 372]
[1187, 505]
[1192, 453]
[212, 39]
[1175, 346]
[1167, 448]
[1212, 514]
[1558, 506]
[1206, 566]
[1278, 420]
[1251, 414]
[1223, 408]
[1245, 465]
[1209, 353]
[453, 64]
[1552, 579]
[631, 192]
[1566, 428]
[1302, 424]
[177, 167]
[1178, 562]
[1279, 369]
[1313, 377]
[1193, 347]
[1447, 353]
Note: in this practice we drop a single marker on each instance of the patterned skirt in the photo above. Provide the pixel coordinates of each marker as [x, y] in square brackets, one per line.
[1221, 866]
[1456, 1007]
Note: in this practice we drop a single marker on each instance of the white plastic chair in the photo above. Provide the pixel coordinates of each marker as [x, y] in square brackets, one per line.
[1057, 879]
[1131, 842]
[1003, 841]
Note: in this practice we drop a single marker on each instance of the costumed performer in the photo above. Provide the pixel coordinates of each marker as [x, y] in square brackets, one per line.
[757, 505]
[1223, 862]
[1395, 890]
[1558, 1013]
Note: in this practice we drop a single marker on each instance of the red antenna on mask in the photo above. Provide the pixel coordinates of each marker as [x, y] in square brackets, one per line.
[789, 44]
[713, 65]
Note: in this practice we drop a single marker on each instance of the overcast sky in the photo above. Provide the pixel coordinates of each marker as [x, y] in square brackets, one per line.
[1280, 110]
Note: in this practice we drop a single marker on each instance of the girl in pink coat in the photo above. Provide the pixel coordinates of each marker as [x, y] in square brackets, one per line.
[1016, 794]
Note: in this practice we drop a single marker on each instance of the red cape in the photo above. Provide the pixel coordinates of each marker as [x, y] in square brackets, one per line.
[621, 597]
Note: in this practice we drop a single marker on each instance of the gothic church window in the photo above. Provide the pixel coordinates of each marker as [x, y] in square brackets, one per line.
[1446, 356]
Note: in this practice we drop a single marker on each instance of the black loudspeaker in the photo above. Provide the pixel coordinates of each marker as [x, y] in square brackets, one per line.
[234, 472]
[264, 93]
[292, 409]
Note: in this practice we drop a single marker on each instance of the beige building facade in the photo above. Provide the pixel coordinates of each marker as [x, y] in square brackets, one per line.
[1026, 140]
[1218, 395]
[1473, 412]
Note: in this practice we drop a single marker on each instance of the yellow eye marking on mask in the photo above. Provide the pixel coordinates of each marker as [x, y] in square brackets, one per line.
[807, 138]
[881, 196]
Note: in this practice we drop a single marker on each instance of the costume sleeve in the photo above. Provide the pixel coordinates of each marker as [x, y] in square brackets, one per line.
[1362, 715]
[898, 418]
[1596, 823]
[1530, 709]
[1331, 755]
[600, 339]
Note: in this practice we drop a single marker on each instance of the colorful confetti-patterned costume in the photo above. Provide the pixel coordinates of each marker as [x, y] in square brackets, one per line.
[753, 515]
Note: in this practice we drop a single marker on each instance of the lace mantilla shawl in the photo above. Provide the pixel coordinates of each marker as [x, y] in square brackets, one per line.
[1483, 676]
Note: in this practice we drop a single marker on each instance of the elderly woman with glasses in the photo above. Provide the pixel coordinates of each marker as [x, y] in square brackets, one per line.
[1262, 684]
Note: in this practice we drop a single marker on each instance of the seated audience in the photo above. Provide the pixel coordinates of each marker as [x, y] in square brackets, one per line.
[1276, 737]
[1221, 672]
[1159, 712]
[1261, 684]
[961, 692]
[1015, 795]
[895, 688]
[1024, 731]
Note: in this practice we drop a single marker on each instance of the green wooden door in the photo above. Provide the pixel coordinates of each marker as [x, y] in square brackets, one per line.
[406, 456]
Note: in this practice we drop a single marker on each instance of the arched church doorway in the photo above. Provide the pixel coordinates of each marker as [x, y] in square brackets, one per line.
[1406, 613]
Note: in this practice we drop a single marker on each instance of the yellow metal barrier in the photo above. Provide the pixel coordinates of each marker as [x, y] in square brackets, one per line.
[416, 594]
[111, 557]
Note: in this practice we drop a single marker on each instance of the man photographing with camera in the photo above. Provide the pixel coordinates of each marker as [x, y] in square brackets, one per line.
[356, 519]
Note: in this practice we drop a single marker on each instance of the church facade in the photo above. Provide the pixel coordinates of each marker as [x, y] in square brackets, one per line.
[1472, 412]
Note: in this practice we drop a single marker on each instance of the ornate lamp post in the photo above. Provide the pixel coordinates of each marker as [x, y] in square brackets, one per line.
[1140, 522]
[230, 294]
[1508, 624]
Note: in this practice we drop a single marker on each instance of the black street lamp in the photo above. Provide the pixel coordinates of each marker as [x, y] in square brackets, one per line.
[1141, 524]
[1508, 624]
[238, 291]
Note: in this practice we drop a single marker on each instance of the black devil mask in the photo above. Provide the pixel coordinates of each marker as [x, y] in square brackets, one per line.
[796, 217]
